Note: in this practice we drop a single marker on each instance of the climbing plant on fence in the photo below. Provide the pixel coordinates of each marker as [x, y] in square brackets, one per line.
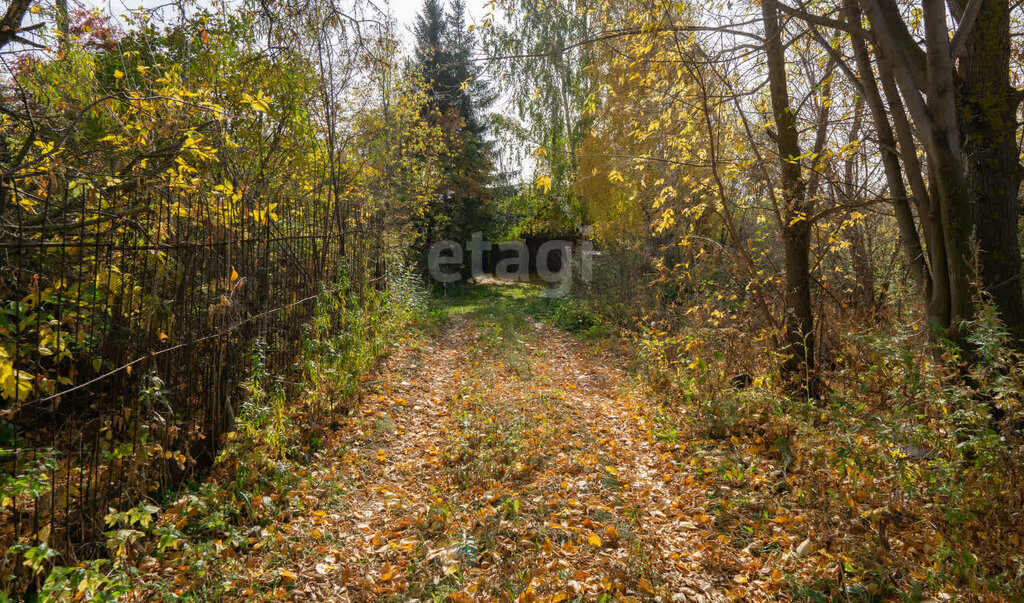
[170, 195]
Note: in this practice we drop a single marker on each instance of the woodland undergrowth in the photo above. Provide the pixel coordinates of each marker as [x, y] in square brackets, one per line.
[902, 481]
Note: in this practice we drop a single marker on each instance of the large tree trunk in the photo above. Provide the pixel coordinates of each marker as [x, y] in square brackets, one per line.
[988, 107]
[799, 320]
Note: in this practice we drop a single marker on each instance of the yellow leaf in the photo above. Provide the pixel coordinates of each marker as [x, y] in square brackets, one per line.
[16, 384]
[257, 103]
[234, 275]
[118, 74]
[667, 220]
[543, 183]
[288, 577]
[594, 539]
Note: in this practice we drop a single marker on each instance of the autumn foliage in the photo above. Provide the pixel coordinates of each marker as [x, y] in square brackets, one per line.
[787, 366]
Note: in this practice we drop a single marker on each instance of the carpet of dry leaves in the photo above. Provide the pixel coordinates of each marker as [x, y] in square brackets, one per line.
[508, 465]
[468, 479]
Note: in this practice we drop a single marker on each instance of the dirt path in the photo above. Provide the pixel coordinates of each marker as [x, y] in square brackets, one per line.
[504, 459]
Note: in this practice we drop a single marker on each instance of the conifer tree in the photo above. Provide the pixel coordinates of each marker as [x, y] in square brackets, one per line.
[459, 99]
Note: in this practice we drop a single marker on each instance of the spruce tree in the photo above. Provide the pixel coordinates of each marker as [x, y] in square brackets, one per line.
[444, 53]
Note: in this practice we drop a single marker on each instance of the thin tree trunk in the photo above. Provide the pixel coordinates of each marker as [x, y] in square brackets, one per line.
[860, 257]
[10, 22]
[799, 320]
[938, 301]
[936, 126]
[945, 165]
[909, 237]
[64, 27]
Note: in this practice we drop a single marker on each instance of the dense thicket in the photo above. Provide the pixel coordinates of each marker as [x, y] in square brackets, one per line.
[841, 126]
[837, 182]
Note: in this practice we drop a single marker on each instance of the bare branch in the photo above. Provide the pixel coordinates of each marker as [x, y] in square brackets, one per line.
[10, 24]
[956, 46]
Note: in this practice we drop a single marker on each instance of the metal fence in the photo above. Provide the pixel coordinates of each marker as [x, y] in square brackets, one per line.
[124, 331]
